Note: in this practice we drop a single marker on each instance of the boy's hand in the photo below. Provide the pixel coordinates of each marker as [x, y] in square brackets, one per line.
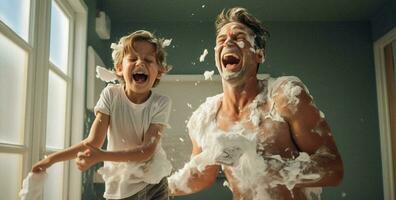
[41, 165]
[88, 157]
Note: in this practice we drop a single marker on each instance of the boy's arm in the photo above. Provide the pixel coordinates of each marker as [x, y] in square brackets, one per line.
[142, 153]
[96, 138]
[195, 181]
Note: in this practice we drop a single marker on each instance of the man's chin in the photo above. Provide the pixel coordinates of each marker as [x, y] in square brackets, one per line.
[230, 75]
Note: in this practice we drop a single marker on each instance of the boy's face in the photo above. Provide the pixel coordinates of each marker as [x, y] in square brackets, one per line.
[235, 54]
[139, 67]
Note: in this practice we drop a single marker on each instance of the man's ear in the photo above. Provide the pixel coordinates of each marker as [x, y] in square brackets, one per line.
[260, 56]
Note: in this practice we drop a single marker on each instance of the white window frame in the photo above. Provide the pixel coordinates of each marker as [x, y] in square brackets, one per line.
[383, 114]
[37, 47]
[78, 97]
[20, 42]
[68, 78]
[28, 46]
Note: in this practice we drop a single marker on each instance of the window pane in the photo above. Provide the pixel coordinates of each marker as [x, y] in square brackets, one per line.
[10, 169]
[15, 13]
[59, 43]
[56, 111]
[53, 187]
[13, 74]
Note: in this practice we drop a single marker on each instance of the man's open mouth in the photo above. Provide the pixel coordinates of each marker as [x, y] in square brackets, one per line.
[231, 61]
[139, 77]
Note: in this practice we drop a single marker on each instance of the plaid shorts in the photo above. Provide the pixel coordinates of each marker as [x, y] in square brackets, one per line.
[152, 192]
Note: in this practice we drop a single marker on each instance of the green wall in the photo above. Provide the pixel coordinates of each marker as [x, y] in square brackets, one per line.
[91, 191]
[334, 59]
[101, 47]
[384, 20]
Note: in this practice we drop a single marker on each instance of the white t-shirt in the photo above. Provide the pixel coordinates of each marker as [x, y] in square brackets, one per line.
[128, 124]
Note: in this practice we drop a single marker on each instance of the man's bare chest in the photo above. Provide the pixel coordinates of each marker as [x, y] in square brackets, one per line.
[273, 136]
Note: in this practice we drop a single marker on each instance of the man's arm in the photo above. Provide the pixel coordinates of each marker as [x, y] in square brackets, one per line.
[191, 177]
[312, 135]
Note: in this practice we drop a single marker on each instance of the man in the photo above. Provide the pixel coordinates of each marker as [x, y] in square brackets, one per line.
[268, 136]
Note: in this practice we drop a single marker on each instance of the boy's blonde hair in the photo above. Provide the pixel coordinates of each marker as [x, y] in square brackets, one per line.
[125, 46]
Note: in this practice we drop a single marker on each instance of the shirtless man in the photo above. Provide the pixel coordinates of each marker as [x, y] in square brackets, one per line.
[294, 144]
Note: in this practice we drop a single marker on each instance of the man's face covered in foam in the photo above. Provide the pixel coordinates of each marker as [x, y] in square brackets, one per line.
[235, 52]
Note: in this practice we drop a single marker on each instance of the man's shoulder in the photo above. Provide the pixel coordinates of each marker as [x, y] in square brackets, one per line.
[287, 92]
[282, 80]
[203, 116]
[211, 103]
[282, 84]
[207, 108]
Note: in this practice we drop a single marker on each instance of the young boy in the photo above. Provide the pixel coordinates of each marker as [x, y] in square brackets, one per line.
[133, 118]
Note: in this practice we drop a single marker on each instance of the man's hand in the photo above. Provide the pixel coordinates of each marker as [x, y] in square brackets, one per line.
[229, 156]
[88, 157]
[232, 147]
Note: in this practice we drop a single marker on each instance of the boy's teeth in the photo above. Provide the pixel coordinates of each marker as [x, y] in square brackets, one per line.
[140, 77]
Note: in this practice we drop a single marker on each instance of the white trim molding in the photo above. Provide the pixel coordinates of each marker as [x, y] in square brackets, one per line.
[78, 96]
[196, 77]
[383, 114]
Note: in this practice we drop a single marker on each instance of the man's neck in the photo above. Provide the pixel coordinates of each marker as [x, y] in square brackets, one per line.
[238, 97]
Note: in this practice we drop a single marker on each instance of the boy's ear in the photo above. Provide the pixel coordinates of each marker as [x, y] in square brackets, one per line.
[161, 70]
[159, 74]
[118, 70]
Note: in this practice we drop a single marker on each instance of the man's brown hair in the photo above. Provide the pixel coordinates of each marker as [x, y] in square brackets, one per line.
[242, 16]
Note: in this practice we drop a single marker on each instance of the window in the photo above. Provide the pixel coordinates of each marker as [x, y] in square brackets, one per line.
[14, 65]
[15, 54]
[15, 13]
[41, 64]
[58, 95]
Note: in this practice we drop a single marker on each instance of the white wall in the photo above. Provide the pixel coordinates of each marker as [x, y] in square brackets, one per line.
[183, 90]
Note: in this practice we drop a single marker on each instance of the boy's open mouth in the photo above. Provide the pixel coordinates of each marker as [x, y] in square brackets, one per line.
[140, 77]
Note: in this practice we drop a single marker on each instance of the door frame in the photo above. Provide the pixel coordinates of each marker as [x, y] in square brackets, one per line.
[383, 115]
